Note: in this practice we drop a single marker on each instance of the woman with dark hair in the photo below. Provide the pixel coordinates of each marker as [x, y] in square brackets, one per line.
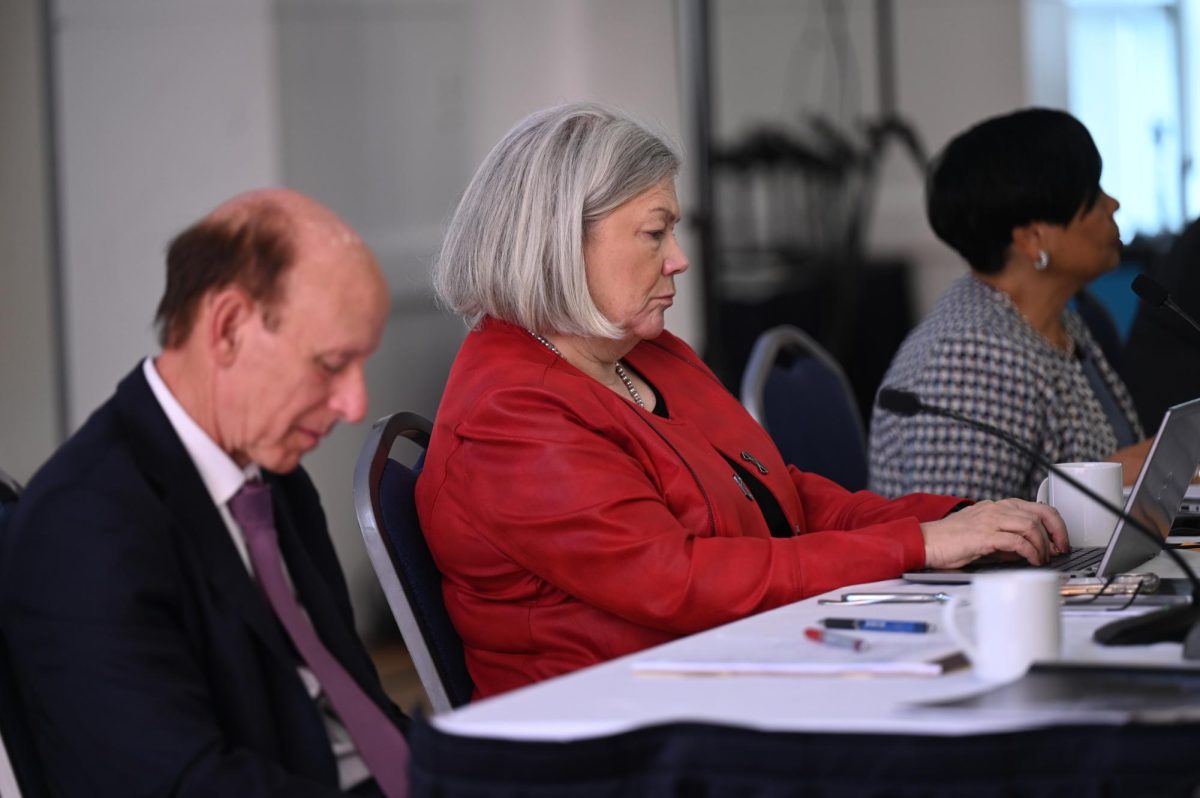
[590, 488]
[1019, 197]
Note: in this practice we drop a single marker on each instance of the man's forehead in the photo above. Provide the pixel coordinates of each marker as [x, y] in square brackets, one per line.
[331, 270]
[334, 307]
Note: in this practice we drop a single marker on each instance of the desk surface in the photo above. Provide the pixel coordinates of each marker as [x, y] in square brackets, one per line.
[612, 698]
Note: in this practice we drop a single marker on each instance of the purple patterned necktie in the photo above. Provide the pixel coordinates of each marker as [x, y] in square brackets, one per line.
[380, 743]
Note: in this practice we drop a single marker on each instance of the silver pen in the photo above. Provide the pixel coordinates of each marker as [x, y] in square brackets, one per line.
[888, 598]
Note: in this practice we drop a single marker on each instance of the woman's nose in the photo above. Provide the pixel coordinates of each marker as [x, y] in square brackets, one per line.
[676, 262]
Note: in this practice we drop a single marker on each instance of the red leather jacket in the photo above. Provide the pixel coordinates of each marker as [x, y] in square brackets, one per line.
[573, 527]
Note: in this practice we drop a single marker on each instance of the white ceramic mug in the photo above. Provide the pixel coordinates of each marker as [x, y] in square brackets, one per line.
[1088, 524]
[1017, 622]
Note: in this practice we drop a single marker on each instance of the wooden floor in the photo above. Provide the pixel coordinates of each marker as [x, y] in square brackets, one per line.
[399, 677]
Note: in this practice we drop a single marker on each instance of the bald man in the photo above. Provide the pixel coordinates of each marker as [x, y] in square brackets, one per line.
[152, 655]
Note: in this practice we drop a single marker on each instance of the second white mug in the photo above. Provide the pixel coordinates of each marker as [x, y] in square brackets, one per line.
[1088, 524]
[1017, 622]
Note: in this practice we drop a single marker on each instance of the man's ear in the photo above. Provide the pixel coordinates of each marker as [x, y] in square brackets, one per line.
[228, 312]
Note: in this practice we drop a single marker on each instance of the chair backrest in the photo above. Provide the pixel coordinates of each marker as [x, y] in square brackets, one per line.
[387, 514]
[800, 395]
[20, 768]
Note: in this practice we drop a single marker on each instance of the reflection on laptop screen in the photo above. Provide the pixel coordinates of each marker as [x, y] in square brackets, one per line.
[1158, 492]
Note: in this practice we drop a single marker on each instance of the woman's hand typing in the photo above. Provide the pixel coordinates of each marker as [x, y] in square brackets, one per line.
[1034, 532]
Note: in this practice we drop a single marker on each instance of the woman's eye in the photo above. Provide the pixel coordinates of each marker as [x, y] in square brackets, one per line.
[657, 235]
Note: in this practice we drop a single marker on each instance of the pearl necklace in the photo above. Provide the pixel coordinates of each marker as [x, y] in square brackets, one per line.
[629, 386]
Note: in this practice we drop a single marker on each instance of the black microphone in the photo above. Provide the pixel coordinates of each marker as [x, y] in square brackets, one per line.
[1178, 623]
[1153, 293]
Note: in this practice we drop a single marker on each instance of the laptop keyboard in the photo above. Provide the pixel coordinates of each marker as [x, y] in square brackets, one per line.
[1085, 559]
[1078, 559]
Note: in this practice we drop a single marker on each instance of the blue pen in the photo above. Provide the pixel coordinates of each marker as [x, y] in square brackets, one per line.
[877, 625]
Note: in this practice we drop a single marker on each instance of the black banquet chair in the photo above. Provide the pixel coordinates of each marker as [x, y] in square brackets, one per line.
[15, 739]
[387, 514]
[800, 395]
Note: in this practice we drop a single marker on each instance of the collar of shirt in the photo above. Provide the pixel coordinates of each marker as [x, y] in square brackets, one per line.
[222, 477]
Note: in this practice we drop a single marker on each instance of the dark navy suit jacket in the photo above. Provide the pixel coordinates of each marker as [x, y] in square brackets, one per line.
[148, 660]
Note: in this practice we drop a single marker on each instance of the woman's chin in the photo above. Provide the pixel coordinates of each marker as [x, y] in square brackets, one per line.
[648, 332]
[649, 327]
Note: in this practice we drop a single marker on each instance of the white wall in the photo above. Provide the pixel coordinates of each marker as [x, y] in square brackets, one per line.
[28, 410]
[28, 423]
[165, 108]
[1045, 41]
[957, 62]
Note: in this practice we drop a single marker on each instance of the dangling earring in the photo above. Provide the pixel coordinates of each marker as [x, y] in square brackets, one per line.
[1042, 261]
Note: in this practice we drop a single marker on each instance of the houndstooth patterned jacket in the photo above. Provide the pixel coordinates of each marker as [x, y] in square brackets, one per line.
[977, 355]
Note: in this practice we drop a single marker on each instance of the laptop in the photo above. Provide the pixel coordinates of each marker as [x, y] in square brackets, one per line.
[1155, 499]
[1191, 501]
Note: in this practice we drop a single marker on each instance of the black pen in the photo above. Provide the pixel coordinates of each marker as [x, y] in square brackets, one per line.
[877, 625]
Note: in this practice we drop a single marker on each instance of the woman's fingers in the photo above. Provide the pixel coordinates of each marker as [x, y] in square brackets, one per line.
[1055, 527]
[1034, 532]
[1016, 519]
[1018, 544]
[1040, 521]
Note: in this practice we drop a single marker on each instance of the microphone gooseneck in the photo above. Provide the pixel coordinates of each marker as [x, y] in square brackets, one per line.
[1180, 623]
[1153, 293]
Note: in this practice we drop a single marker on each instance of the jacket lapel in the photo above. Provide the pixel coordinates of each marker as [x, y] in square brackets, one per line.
[166, 465]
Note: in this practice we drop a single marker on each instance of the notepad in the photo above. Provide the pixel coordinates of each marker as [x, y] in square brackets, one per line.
[862, 665]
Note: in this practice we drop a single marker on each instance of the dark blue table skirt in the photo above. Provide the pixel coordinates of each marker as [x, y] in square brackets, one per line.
[685, 760]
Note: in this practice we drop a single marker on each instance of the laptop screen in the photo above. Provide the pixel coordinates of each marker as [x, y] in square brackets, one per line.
[1159, 490]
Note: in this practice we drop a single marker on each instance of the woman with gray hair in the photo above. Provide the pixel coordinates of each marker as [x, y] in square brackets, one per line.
[591, 489]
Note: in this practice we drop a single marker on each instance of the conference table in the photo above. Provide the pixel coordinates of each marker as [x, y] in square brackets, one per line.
[757, 708]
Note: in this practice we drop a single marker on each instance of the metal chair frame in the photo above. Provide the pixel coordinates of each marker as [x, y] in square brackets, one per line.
[434, 673]
[763, 357]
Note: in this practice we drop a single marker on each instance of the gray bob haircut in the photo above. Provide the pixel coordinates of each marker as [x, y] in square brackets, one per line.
[514, 247]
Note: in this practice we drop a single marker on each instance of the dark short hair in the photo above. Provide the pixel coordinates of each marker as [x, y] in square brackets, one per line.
[1034, 165]
[252, 251]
